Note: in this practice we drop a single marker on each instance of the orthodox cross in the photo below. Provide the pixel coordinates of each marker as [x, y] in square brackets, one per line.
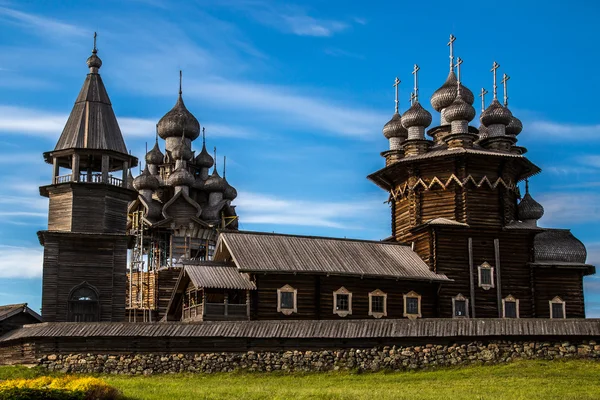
[95, 50]
[504, 81]
[180, 78]
[412, 98]
[451, 45]
[396, 84]
[482, 95]
[459, 61]
[415, 72]
[494, 68]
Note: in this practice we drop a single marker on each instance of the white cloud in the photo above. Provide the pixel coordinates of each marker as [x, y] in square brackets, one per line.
[561, 130]
[568, 208]
[258, 208]
[20, 262]
[40, 25]
[304, 25]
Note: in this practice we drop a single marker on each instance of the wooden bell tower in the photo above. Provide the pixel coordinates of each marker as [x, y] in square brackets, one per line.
[85, 246]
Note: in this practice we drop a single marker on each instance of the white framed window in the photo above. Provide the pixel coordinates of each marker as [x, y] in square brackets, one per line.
[460, 306]
[378, 304]
[485, 274]
[412, 305]
[558, 308]
[510, 307]
[287, 300]
[342, 302]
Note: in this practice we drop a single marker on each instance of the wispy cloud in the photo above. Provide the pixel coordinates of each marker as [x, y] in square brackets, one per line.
[20, 262]
[561, 130]
[258, 208]
[336, 52]
[41, 26]
[568, 208]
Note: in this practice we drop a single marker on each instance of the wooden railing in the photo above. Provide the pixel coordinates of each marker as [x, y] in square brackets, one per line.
[89, 178]
[192, 312]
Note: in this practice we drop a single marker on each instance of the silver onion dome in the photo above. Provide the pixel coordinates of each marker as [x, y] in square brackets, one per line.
[214, 183]
[181, 151]
[496, 114]
[229, 193]
[416, 115]
[181, 177]
[558, 245]
[178, 121]
[459, 110]
[155, 156]
[145, 181]
[394, 128]
[445, 95]
[94, 61]
[204, 160]
[529, 208]
[515, 127]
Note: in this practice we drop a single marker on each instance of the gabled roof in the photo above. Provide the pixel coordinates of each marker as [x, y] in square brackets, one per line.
[207, 274]
[92, 123]
[277, 253]
[9, 310]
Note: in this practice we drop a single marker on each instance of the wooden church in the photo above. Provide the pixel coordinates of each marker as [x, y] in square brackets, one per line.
[165, 246]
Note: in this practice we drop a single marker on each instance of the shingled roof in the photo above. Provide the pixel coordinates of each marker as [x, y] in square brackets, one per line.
[208, 274]
[9, 310]
[92, 123]
[265, 252]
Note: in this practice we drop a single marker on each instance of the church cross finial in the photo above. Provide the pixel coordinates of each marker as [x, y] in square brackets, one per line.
[493, 70]
[180, 78]
[451, 45]
[482, 95]
[527, 186]
[203, 137]
[415, 72]
[215, 152]
[156, 134]
[459, 61]
[396, 84]
[504, 81]
[412, 98]
[95, 50]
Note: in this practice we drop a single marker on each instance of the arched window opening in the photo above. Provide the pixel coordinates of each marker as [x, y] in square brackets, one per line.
[84, 304]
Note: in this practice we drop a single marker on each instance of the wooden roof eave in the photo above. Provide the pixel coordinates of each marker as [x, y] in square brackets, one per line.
[49, 155]
[587, 268]
[442, 279]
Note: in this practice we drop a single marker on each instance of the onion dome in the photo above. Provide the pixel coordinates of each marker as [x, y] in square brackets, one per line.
[181, 177]
[145, 181]
[94, 61]
[229, 193]
[529, 208]
[496, 114]
[558, 246]
[515, 127]
[181, 151]
[204, 160]
[177, 121]
[214, 183]
[459, 110]
[416, 115]
[483, 131]
[445, 95]
[155, 156]
[394, 128]
[129, 180]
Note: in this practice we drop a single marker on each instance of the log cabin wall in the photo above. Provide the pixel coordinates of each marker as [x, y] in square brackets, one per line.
[72, 259]
[564, 283]
[315, 296]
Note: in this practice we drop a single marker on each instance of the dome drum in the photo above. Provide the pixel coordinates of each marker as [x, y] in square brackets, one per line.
[396, 143]
[460, 140]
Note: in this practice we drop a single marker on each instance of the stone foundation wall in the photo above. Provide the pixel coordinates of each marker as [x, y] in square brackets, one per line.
[375, 359]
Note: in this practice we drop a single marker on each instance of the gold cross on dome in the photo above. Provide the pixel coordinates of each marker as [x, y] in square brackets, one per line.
[396, 84]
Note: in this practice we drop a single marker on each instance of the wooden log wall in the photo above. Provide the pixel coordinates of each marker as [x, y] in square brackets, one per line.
[564, 283]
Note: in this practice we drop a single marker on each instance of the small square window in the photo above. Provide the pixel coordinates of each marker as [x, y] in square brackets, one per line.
[377, 304]
[287, 300]
[460, 308]
[342, 303]
[412, 305]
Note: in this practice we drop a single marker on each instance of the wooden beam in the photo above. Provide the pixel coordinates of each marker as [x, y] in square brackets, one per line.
[498, 280]
[105, 167]
[75, 168]
[471, 278]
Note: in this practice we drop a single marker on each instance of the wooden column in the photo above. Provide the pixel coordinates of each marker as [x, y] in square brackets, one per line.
[105, 168]
[125, 168]
[54, 170]
[498, 280]
[75, 168]
[471, 278]
[248, 304]
[226, 302]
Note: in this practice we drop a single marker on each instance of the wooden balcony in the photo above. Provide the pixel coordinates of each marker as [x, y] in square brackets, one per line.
[89, 178]
[216, 312]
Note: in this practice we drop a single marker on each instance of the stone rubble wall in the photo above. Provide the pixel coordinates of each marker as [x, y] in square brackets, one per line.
[375, 359]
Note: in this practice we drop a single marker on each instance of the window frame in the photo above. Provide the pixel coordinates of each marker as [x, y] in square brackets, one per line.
[287, 289]
[377, 293]
[486, 266]
[558, 300]
[510, 299]
[411, 295]
[460, 297]
[342, 313]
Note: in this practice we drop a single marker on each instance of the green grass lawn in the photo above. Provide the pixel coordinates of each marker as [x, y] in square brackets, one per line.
[575, 379]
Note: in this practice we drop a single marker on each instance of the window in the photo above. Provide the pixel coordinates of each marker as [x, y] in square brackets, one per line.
[412, 305]
[378, 304]
[342, 302]
[510, 307]
[287, 300]
[460, 306]
[557, 308]
[83, 304]
[486, 276]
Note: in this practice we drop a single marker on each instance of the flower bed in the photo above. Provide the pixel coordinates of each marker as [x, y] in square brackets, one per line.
[66, 387]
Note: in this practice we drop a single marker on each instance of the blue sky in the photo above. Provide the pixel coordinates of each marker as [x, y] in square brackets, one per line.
[295, 95]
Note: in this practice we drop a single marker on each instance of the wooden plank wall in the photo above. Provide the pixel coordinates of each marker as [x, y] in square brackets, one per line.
[167, 278]
[564, 283]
